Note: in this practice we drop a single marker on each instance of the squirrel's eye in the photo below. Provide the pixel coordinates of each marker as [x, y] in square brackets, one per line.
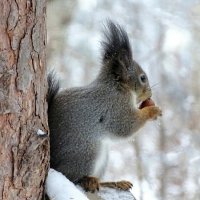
[143, 78]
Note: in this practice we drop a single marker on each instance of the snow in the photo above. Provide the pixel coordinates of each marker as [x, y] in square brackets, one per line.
[58, 187]
[40, 132]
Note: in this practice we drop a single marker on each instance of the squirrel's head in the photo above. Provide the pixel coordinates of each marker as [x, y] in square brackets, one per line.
[119, 65]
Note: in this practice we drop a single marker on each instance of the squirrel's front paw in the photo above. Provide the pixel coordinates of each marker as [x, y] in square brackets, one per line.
[154, 112]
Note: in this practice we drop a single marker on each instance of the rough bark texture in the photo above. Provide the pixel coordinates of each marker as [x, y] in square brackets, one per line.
[24, 155]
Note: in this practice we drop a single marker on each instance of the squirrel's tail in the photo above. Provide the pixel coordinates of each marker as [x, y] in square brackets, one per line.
[53, 87]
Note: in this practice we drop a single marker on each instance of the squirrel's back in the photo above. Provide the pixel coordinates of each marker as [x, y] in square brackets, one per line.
[84, 108]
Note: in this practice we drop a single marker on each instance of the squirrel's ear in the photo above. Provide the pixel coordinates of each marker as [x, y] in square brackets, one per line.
[117, 52]
[119, 66]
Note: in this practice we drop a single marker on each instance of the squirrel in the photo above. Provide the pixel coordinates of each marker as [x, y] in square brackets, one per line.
[83, 120]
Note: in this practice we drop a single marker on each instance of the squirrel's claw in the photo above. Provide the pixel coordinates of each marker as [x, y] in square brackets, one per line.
[122, 185]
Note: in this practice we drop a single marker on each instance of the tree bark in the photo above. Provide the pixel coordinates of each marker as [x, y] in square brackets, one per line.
[24, 154]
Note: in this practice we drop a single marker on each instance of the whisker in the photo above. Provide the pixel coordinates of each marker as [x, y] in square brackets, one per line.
[154, 85]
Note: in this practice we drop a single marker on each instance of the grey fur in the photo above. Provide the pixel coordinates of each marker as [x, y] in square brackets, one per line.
[81, 118]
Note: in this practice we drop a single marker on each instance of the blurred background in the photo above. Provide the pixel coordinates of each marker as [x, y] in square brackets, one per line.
[163, 161]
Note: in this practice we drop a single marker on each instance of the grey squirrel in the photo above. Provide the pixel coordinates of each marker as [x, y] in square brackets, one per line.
[83, 120]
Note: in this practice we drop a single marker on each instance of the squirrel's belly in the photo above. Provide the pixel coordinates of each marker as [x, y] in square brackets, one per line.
[102, 158]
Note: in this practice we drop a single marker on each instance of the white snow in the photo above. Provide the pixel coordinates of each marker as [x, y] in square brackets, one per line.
[58, 187]
[40, 132]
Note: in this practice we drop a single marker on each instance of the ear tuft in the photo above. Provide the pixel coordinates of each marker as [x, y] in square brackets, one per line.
[116, 47]
[116, 42]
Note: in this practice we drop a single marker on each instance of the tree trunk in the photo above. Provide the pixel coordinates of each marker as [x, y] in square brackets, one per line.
[24, 152]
